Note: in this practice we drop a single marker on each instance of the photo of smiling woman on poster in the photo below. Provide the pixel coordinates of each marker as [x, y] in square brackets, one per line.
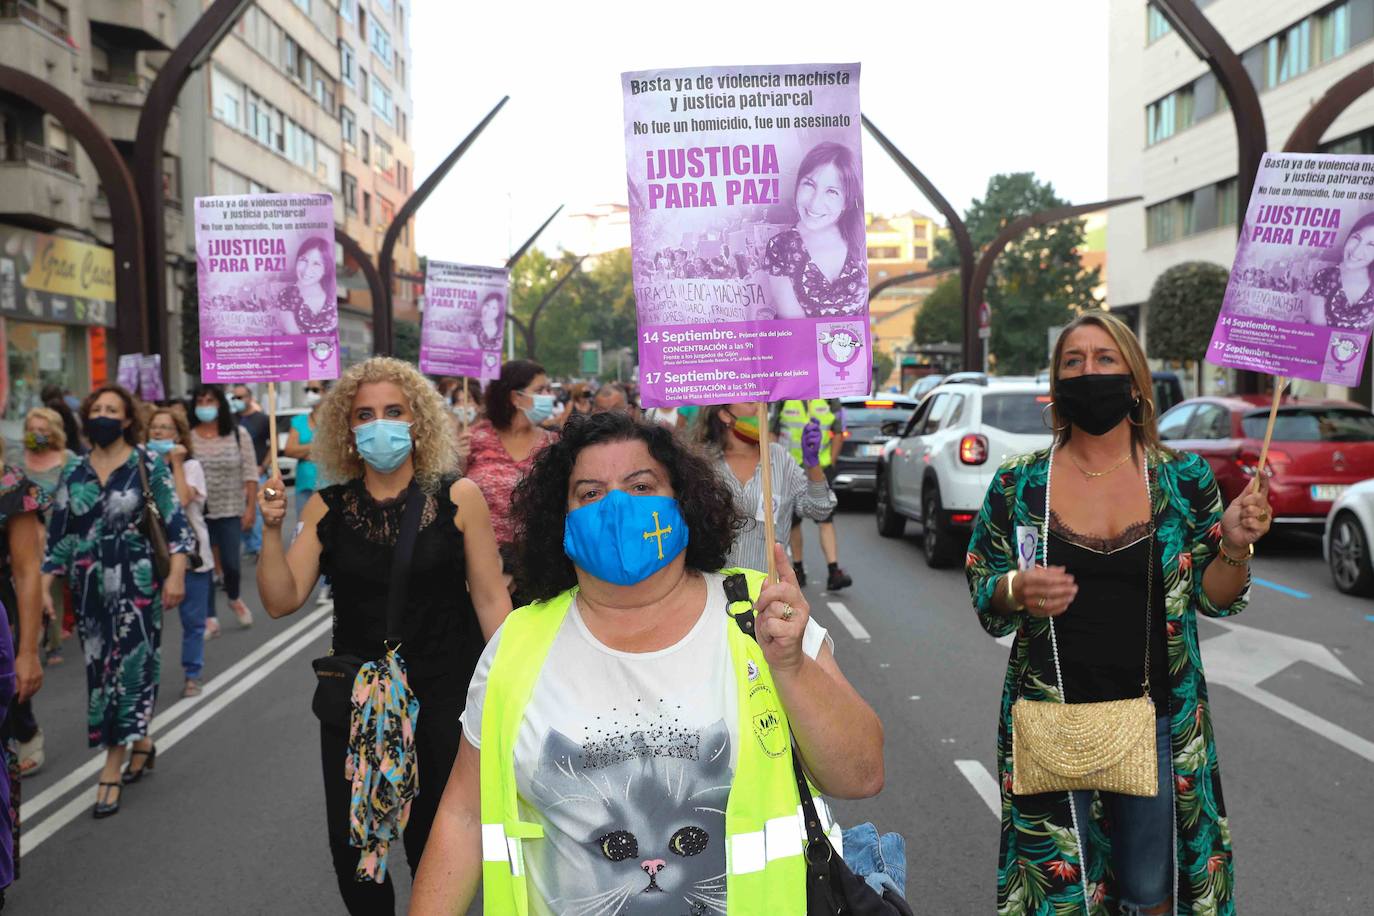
[1342, 295]
[307, 306]
[817, 268]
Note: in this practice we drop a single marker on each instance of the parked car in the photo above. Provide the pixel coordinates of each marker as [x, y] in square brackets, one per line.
[1345, 543]
[1320, 448]
[287, 465]
[868, 423]
[924, 385]
[936, 471]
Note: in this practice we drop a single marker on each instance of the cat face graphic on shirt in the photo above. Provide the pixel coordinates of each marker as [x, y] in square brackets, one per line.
[650, 810]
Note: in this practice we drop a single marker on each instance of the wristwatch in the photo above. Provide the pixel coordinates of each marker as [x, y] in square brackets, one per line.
[1011, 591]
[1232, 561]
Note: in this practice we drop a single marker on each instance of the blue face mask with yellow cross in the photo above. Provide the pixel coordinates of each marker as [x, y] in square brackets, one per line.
[624, 539]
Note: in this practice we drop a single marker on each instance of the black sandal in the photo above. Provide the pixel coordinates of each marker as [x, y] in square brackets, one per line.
[130, 775]
[104, 809]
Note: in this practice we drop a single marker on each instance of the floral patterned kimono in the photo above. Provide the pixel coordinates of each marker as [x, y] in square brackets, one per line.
[94, 540]
[1039, 861]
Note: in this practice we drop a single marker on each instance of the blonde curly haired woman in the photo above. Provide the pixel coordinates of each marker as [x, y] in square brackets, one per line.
[381, 430]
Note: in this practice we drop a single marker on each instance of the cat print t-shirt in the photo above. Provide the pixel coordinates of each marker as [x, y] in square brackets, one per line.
[626, 759]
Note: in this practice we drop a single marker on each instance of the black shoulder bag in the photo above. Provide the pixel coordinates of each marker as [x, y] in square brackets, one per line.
[832, 888]
[152, 525]
[335, 674]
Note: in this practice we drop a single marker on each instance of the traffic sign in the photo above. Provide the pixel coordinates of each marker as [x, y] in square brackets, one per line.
[984, 321]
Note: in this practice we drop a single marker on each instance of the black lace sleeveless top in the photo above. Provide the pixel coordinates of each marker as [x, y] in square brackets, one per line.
[441, 638]
[1102, 634]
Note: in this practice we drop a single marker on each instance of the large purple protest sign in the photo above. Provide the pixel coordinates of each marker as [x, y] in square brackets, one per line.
[465, 319]
[265, 270]
[150, 378]
[1300, 302]
[130, 367]
[747, 222]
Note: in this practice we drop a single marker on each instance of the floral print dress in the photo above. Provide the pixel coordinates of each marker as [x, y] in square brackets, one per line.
[1340, 311]
[1039, 864]
[819, 297]
[94, 540]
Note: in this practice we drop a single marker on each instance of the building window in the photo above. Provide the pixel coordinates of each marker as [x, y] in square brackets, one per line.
[385, 5]
[348, 10]
[401, 118]
[346, 62]
[365, 151]
[1169, 220]
[226, 98]
[884, 252]
[385, 212]
[380, 41]
[1156, 26]
[1288, 54]
[367, 208]
[363, 87]
[920, 252]
[402, 177]
[348, 125]
[1169, 115]
[1226, 202]
[350, 193]
[382, 102]
[1333, 33]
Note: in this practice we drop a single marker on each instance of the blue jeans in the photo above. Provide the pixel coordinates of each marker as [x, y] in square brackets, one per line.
[227, 534]
[252, 541]
[1142, 834]
[879, 860]
[194, 609]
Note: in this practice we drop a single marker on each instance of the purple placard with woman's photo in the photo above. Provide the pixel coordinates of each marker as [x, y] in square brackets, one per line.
[1300, 302]
[464, 322]
[747, 222]
[265, 272]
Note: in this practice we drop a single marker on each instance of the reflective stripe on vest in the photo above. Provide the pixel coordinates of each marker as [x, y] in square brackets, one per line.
[764, 832]
[796, 414]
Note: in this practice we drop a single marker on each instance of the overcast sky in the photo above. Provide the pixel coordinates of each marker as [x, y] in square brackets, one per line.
[965, 89]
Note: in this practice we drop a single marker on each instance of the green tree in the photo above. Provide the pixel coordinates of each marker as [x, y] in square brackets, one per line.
[1182, 311]
[408, 341]
[1037, 282]
[596, 303]
[940, 319]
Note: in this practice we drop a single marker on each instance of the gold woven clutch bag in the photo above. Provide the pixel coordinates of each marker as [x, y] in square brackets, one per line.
[1067, 746]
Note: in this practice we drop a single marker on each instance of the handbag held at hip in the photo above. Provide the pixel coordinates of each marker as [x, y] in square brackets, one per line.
[1109, 746]
[152, 525]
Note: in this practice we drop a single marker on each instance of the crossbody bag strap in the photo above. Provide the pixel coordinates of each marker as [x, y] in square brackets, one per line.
[400, 563]
[736, 590]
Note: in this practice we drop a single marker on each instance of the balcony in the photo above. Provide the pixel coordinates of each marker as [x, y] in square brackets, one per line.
[116, 99]
[39, 187]
[19, 11]
[136, 25]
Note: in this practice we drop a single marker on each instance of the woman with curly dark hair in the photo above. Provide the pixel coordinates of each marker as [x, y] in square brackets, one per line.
[633, 672]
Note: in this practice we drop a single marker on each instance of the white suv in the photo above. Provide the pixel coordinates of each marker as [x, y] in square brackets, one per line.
[937, 471]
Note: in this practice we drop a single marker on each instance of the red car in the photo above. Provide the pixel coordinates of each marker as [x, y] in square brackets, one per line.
[1320, 447]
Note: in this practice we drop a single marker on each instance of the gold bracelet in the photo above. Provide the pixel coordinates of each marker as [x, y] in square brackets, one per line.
[1232, 561]
[1011, 591]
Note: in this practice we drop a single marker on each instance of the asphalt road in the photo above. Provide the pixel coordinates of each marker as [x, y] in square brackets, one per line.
[232, 820]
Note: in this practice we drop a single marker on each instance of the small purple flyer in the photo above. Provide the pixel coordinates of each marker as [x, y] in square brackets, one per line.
[130, 367]
[464, 324]
[747, 226]
[1300, 302]
[150, 378]
[265, 271]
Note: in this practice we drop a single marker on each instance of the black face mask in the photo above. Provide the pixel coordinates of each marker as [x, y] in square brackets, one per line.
[103, 430]
[1094, 403]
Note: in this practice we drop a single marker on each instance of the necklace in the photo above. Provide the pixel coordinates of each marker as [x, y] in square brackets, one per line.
[1092, 474]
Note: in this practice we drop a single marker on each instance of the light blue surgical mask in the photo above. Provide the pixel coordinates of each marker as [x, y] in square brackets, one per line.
[161, 446]
[624, 539]
[236, 405]
[540, 409]
[206, 414]
[383, 444]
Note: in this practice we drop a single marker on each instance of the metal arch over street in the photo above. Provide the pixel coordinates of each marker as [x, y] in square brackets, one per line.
[520, 252]
[1307, 135]
[354, 251]
[386, 256]
[131, 286]
[190, 53]
[1023, 224]
[962, 241]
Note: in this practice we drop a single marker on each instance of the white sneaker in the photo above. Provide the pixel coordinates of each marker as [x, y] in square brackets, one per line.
[212, 628]
[245, 616]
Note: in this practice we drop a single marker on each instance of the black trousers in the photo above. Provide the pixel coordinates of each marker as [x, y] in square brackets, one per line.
[436, 746]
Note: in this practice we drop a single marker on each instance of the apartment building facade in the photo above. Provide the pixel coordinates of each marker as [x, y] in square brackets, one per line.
[1171, 137]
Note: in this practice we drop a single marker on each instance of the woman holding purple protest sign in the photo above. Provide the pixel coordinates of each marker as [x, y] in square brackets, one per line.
[1342, 296]
[817, 267]
[385, 432]
[307, 306]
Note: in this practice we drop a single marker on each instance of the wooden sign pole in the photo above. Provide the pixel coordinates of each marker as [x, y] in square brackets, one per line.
[1279, 383]
[272, 426]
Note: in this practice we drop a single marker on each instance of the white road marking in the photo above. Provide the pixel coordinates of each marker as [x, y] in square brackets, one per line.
[983, 783]
[848, 620]
[1314, 723]
[83, 773]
